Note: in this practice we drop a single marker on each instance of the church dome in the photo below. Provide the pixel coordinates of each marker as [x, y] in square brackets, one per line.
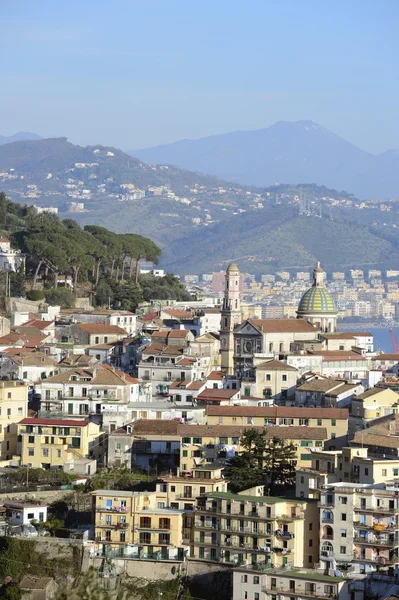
[316, 300]
[232, 267]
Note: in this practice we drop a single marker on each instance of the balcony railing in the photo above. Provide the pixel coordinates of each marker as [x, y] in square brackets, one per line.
[374, 541]
[119, 509]
[298, 591]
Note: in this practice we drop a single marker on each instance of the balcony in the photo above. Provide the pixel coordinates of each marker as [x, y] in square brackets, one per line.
[298, 591]
[118, 509]
[379, 510]
[327, 519]
[285, 535]
[386, 542]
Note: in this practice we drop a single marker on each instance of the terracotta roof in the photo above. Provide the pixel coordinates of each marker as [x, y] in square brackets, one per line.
[372, 392]
[283, 325]
[216, 376]
[23, 339]
[275, 365]
[102, 375]
[158, 427]
[155, 427]
[159, 349]
[337, 354]
[186, 361]
[16, 351]
[170, 333]
[33, 359]
[149, 316]
[102, 346]
[345, 335]
[39, 324]
[319, 385]
[370, 439]
[77, 359]
[176, 313]
[278, 412]
[345, 387]
[101, 328]
[63, 422]
[187, 384]
[387, 357]
[214, 394]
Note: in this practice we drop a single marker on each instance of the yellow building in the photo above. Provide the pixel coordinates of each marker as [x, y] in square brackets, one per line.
[181, 492]
[334, 420]
[48, 443]
[233, 528]
[13, 408]
[189, 446]
[132, 525]
[374, 403]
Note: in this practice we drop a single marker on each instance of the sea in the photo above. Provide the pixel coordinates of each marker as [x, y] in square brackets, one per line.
[382, 339]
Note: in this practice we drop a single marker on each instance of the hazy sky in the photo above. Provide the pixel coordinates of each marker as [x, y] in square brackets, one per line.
[135, 73]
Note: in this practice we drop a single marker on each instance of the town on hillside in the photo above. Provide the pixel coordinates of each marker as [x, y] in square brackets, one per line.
[199, 438]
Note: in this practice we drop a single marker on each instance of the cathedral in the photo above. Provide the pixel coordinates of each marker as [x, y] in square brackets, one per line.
[316, 314]
[317, 306]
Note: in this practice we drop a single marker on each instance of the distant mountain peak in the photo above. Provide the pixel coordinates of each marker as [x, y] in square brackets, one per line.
[20, 136]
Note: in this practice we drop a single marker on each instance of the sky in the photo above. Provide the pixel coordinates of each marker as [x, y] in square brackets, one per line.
[137, 73]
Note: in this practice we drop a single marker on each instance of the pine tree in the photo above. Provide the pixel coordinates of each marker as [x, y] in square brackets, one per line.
[279, 465]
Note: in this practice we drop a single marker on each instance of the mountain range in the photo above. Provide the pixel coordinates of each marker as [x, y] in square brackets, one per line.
[286, 152]
[18, 137]
[201, 222]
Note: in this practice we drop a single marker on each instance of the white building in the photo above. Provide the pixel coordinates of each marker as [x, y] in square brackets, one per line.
[10, 260]
[23, 513]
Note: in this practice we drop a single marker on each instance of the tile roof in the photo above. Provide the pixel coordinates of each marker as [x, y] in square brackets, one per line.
[160, 349]
[371, 392]
[187, 384]
[278, 412]
[63, 422]
[77, 360]
[345, 335]
[370, 439]
[23, 339]
[176, 313]
[101, 375]
[216, 394]
[170, 333]
[33, 359]
[159, 427]
[337, 354]
[319, 385]
[216, 376]
[283, 325]
[345, 387]
[274, 365]
[39, 324]
[387, 357]
[100, 328]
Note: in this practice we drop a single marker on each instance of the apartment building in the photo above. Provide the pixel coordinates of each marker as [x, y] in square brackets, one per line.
[13, 408]
[358, 527]
[121, 318]
[272, 379]
[324, 392]
[182, 491]
[172, 444]
[374, 403]
[352, 465]
[101, 393]
[162, 365]
[335, 420]
[294, 584]
[133, 525]
[233, 528]
[49, 443]
[91, 334]
[28, 366]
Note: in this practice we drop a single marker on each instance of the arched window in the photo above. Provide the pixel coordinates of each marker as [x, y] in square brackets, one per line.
[236, 304]
[226, 321]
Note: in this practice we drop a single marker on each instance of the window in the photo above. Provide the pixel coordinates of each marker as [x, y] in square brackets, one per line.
[201, 552]
[319, 422]
[396, 472]
[342, 549]
[31, 452]
[302, 479]
[9, 395]
[366, 471]
[20, 411]
[384, 472]
[343, 533]
[185, 453]
[223, 440]
[197, 440]
[268, 377]
[333, 436]
[256, 595]
[319, 443]
[235, 441]
[8, 412]
[343, 517]
[310, 526]
[306, 456]
[58, 453]
[186, 440]
[284, 378]
[310, 543]
[45, 452]
[31, 439]
[31, 515]
[333, 422]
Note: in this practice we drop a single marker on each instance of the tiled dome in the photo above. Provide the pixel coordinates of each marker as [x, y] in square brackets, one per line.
[316, 300]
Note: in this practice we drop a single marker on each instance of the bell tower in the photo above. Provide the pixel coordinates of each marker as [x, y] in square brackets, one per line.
[231, 317]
